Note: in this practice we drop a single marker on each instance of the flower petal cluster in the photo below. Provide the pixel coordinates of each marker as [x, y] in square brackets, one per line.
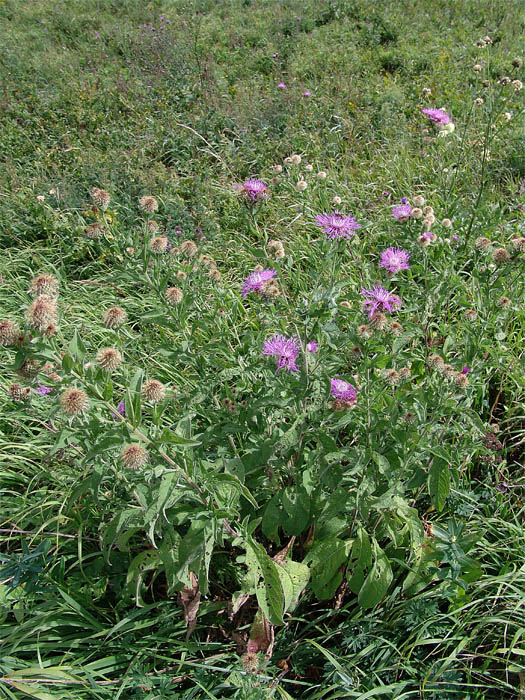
[394, 260]
[285, 350]
[254, 190]
[438, 116]
[379, 299]
[343, 390]
[402, 212]
[337, 225]
[256, 280]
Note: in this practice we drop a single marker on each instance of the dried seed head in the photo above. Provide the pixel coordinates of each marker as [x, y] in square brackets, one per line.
[296, 159]
[429, 220]
[391, 377]
[482, 243]
[447, 223]
[321, 175]
[503, 302]
[416, 213]
[181, 275]
[152, 227]
[409, 418]
[501, 256]
[337, 200]
[340, 405]
[100, 197]
[50, 330]
[174, 295]
[29, 369]
[302, 185]
[153, 391]
[271, 288]
[436, 361]
[364, 331]
[309, 167]
[426, 92]
[215, 275]
[148, 204]
[74, 401]
[346, 304]
[229, 405]
[276, 248]
[424, 241]
[405, 373]
[188, 248]
[19, 393]
[93, 231]
[419, 200]
[42, 312]
[44, 284]
[278, 168]
[477, 68]
[448, 371]
[461, 379]
[479, 101]
[134, 457]
[428, 210]
[395, 328]
[109, 359]
[250, 662]
[115, 317]
[471, 315]
[9, 332]
[208, 262]
[159, 244]
[378, 321]
[517, 85]
[519, 244]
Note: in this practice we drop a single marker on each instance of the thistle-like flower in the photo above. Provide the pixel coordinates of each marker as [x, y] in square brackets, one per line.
[115, 317]
[337, 225]
[94, 231]
[42, 313]
[174, 295]
[391, 377]
[379, 299]
[394, 260]
[438, 116]
[44, 284]
[9, 332]
[148, 204]
[18, 392]
[100, 197]
[501, 256]
[378, 321]
[256, 281]
[134, 456]
[188, 248]
[253, 190]
[153, 391]
[109, 359]
[159, 244]
[285, 350]
[74, 401]
[482, 243]
[402, 212]
[344, 391]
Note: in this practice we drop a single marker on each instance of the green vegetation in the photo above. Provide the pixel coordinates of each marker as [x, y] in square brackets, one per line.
[216, 486]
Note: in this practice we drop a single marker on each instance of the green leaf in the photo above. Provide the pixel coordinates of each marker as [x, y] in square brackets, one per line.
[272, 518]
[326, 559]
[296, 504]
[360, 561]
[294, 578]
[269, 590]
[378, 580]
[76, 348]
[439, 483]
[168, 436]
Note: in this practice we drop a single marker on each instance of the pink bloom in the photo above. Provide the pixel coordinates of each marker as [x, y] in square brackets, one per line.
[282, 86]
[306, 93]
[402, 211]
[343, 390]
[256, 280]
[285, 350]
[312, 346]
[337, 225]
[253, 189]
[395, 259]
[379, 299]
[465, 370]
[438, 116]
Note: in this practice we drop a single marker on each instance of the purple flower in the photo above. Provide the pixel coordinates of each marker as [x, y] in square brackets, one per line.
[395, 259]
[312, 346]
[284, 349]
[282, 86]
[337, 225]
[465, 370]
[253, 189]
[438, 116]
[378, 298]
[42, 390]
[275, 55]
[343, 390]
[402, 211]
[121, 410]
[306, 93]
[256, 280]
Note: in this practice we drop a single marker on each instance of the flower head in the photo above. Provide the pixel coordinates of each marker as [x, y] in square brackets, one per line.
[343, 390]
[395, 259]
[153, 390]
[42, 390]
[281, 86]
[9, 332]
[42, 313]
[100, 197]
[114, 317]
[402, 212]
[312, 346]
[174, 295]
[44, 284]
[379, 299]
[256, 280]
[438, 116]
[134, 456]
[148, 204]
[74, 401]
[253, 190]
[337, 225]
[109, 359]
[284, 349]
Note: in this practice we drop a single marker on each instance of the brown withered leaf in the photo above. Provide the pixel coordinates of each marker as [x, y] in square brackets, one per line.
[190, 599]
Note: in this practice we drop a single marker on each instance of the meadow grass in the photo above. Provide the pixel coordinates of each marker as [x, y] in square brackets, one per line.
[352, 529]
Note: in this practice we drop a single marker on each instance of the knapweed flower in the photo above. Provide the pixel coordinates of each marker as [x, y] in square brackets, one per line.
[285, 350]
[153, 390]
[42, 313]
[519, 244]
[44, 284]
[115, 317]
[378, 321]
[312, 346]
[9, 332]
[174, 295]
[18, 392]
[134, 457]
[100, 197]
[403, 211]
[281, 86]
[306, 93]
[419, 200]
[321, 175]
[29, 369]
[438, 116]
[254, 190]
[121, 409]
[460, 379]
[337, 225]
[74, 401]
[301, 185]
[277, 248]
[188, 248]
[94, 231]
[395, 259]
[256, 280]
[465, 369]
[503, 302]
[379, 299]
[501, 256]
[148, 204]
[391, 376]
[109, 359]
[482, 243]
[159, 244]
[344, 391]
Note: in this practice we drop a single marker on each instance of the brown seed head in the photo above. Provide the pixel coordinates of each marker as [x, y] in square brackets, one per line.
[471, 315]
[115, 317]
[364, 331]
[391, 377]
[395, 328]
[448, 371]
[159, 244]
[174, 295]
[229, 405]
[416, 213]
[19, 393]
[109, 359]
[188, 248]
[181, 275]
[428, 210]
[436, 361]
[153, 391]
[44, 284]
[208, 262]
[9, 332]
[276, 248]
[419, 200]
[447, 223]
[482, 243]
[503, 302]
[100, 197]
[214, 275]
[460, 379]
[519, 244]
[148, 204]
[74, 401]
[134, 456]
[346, 304]
[405, 373]
[152, 227]
[93, 231]
[42, 312]
[501, 256]
[378, 321]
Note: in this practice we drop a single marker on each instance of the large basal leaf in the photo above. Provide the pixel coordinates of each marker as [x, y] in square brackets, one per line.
[269, 590]
[378, 580]
[326, 559]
